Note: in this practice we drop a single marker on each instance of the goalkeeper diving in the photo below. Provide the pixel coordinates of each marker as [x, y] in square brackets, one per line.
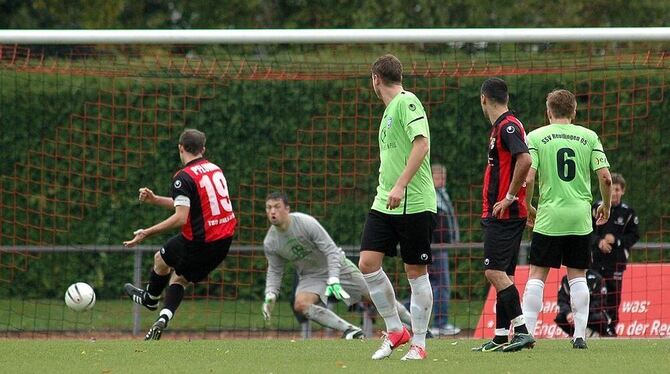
[323, 269]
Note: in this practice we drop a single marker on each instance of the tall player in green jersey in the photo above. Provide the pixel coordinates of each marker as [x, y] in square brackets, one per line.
[563, 156]
[404, 211]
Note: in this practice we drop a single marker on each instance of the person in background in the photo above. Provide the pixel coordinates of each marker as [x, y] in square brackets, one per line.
[611, 244]
[446, 232]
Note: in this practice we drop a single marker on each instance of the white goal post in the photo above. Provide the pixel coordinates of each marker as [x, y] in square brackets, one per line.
[301, 36]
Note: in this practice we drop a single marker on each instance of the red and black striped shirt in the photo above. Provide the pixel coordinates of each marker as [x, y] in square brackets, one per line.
[211, 214]
[507, 139]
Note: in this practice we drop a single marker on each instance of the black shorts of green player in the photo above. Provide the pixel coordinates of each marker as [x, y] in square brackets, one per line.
[552, 251]
[193, 260]
[502, 239]
[383, 232]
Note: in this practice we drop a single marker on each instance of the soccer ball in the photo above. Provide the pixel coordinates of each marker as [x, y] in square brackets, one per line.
[80, 297]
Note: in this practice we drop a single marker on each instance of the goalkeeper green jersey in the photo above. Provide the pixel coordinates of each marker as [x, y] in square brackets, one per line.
[564, 156]
[404, 119]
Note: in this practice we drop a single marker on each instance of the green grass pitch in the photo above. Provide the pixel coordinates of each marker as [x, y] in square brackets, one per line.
[323, 356]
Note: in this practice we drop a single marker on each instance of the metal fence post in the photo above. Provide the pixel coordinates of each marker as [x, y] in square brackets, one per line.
[137, 280]
[368, 324]
[306, 330]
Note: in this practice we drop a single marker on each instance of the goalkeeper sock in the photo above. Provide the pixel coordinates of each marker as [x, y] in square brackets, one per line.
[403, 313]
[157, 284]
[532, 303]
[579, 301]
[421, 305]
[326, 317]
[383, 296]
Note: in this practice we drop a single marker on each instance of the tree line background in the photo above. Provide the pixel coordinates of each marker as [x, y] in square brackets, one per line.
[195, 14]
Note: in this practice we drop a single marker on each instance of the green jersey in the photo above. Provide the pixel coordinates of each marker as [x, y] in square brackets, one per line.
[564, 156]
[404, 119]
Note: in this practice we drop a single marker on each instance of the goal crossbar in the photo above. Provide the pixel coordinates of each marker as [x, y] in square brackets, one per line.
[302, 36]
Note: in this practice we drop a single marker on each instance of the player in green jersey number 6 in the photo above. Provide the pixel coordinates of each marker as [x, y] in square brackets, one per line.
[563, 156]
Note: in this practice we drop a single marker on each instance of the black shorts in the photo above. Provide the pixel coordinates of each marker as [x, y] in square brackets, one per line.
[552, 251]
[502, 239]
[383, 232]
[192, 260]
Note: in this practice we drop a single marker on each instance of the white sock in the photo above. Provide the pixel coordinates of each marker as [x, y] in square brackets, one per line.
[579, 300]
[383, 296]
[421, 305]
[167, 313]
[328, 318]
[518, 321]
[532, 303]
[403, 313]
[501, 332]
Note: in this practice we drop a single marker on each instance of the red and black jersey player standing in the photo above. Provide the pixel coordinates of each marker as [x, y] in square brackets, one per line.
[199, 196]
[504, 214]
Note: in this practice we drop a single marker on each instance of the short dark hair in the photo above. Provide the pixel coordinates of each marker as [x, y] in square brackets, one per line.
[193, 141]
[561, 103]
[278, 196]
[618, 179]
[388, 68]
[495, 89]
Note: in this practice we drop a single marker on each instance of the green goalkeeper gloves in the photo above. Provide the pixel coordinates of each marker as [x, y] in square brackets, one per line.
[335, 289]
[268, 304]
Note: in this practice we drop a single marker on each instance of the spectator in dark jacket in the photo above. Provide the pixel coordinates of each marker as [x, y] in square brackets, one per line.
[611, 244]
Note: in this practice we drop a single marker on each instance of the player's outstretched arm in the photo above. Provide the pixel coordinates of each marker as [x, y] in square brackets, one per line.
[268, 305]
[320, 237]
[273, 278]
[178, 219]
[605, 182]
[147, 196]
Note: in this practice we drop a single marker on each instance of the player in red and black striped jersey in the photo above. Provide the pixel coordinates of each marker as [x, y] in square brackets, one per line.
[506, 141]
[199, 196]
[504, 213]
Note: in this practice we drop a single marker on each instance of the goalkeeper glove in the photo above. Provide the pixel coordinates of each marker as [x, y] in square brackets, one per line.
[335, 289]
[268, 304]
